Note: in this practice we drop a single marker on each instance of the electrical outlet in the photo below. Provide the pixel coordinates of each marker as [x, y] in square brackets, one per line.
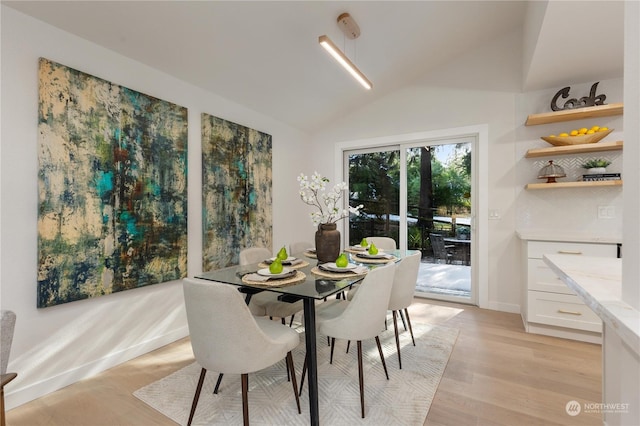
[606, 212]
[494, 214]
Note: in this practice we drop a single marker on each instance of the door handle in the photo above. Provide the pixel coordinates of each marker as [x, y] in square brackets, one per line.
[563, 311]
[569, 252]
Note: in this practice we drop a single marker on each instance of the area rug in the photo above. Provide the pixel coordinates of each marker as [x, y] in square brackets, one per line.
[403, 399]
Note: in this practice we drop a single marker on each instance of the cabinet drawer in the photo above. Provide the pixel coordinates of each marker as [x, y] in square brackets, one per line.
[542, 278]
[538, 248]
[562, 310]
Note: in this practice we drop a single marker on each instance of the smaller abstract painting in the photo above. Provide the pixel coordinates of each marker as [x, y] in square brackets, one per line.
[112, 187]
[236, 193]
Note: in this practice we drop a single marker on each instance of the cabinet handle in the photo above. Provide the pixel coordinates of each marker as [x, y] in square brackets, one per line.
[562, 311]
[569, 252]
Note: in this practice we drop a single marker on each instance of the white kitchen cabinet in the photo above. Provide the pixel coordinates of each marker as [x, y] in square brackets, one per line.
[549, 307]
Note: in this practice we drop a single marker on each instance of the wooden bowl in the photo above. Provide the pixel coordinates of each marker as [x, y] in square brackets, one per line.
[576, 140]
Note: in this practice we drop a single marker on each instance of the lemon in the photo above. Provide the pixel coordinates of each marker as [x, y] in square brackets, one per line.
[603, 129]
[574, 133]
[563, 135]
[595, 128]
[590, 132]
[583, 131]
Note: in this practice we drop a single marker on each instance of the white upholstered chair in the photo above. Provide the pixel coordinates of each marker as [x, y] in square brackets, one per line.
[359, 319]
[226, 338]
[300, 246]
[404, 286]
[266, 303]
[384, 243]
[8, 323]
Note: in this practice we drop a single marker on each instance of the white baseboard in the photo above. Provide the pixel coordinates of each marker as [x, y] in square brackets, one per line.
[17, 397]
[504, 307]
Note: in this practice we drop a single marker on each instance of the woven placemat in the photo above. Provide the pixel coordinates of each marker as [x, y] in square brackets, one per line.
[310, 255]
[298, 277]
[298, 265]
[368, 260]
[328, 274]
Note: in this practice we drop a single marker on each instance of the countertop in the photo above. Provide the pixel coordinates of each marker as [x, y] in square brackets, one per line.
[578, 237]
[598, 281]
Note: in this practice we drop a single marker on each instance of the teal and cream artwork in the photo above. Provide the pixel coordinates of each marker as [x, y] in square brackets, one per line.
[112, 187]
[236, 191]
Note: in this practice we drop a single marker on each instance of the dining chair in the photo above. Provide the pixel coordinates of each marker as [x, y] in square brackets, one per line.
[300, 246]
[7, 326]
[384, 243]
[266, 303]
[359, 319]
[226, 338]
[440, 250]
[404, 287]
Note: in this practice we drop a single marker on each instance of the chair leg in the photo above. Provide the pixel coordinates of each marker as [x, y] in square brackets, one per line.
[196, 397]
[360, 377]
[291, 322]
[293, 379]
[304, 371]
[282, 321]
[215, 390]
[333, 344]
[348, 344]
[384, 364]
[406, 312]
[395, 329]
[245, 399]
[404, 323]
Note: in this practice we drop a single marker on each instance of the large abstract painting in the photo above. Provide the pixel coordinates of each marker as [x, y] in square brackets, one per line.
[112, 187]
[236, 194]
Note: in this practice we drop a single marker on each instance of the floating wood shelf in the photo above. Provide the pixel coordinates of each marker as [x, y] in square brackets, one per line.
[574, 149]
[579, 184]
[574, 114]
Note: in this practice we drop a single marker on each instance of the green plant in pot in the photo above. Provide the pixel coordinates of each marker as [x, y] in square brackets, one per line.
[596, 165]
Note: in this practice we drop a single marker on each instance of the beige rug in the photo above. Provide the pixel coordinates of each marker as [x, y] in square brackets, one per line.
[404, 399]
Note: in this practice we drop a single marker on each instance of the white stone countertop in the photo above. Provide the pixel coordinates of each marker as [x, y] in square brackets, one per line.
[598, 281]
[578, 237]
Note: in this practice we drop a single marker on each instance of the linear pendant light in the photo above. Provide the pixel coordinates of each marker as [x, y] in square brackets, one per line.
[344, 61]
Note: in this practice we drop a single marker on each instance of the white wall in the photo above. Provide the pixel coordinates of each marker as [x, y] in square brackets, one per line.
[56, 346]
[479, 88]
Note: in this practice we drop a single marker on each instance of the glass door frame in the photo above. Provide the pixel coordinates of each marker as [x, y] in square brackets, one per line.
[478, 136]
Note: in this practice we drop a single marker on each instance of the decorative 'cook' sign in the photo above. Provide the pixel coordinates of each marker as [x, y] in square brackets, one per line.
[574, 103]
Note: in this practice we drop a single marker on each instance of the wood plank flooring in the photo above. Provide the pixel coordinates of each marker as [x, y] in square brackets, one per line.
[497, 375]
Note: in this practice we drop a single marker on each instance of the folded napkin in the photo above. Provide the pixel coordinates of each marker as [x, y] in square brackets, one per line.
[285, 262]
[264, 278]
[368, 256]
[358, 270]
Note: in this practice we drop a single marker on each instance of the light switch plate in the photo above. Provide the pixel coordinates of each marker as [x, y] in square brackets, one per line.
[606, 212]
[494, 214]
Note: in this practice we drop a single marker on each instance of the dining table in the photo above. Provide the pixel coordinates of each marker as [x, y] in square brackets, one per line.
[314, 285]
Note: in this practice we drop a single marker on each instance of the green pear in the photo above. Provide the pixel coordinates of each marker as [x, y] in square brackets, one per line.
[276, 266]
[364, 243]
[373, 249]
[282, 254]
[342, 261]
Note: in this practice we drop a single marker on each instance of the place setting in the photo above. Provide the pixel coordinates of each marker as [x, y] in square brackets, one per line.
[339, 269]
[274, 277]
[285, 260]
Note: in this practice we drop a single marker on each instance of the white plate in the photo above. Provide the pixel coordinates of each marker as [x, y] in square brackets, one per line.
[335, 268]
[288, 259]
[359, 247]
[266, 273]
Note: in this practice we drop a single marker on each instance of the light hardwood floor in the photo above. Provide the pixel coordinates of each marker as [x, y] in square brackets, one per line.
[497, 375]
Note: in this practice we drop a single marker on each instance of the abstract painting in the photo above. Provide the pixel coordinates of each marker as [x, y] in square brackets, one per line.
[112, 187]
[236, 191]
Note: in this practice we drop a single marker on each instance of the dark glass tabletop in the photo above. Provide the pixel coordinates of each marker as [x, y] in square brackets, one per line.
[313, 287]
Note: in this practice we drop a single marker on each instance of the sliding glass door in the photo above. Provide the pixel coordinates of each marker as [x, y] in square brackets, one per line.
[419, 195]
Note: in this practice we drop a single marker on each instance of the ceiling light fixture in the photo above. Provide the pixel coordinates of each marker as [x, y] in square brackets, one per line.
[352, 31]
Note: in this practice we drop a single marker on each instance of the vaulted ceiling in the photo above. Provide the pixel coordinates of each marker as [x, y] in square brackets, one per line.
[265, 54]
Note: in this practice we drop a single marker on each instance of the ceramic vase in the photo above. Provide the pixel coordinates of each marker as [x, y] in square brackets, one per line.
[327, 242]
